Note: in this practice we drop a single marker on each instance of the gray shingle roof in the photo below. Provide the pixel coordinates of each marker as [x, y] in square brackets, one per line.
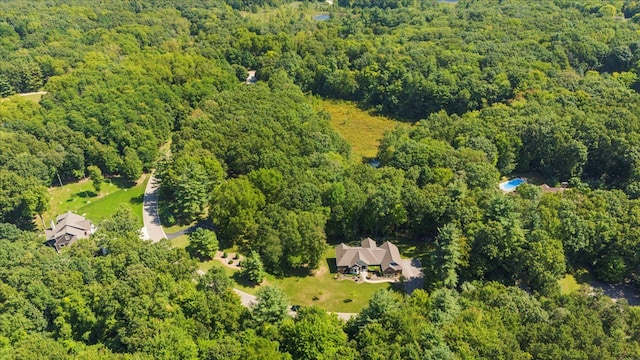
[386, 255]
[73, 225]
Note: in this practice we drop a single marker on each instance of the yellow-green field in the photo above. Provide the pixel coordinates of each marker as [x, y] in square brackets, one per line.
[293, 10]
[34, 96]
[568, 284]
[362, 130]
[79, 198]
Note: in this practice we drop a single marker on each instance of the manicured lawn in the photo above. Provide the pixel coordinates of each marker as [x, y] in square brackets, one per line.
[331, 294]
[321, 289]
[206, 265]
[361, 129]
[231, 273]
[78, 197]
[568, 284]
[175, 228]
[180, 242]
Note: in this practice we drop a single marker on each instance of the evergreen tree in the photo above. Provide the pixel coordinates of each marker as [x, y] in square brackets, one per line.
[191, 191]
[446, 257]
[252, 268]
[5, 88]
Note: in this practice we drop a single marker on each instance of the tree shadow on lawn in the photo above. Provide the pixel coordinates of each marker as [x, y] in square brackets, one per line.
[121, 183]
[137, 200]
[296, 272]
[412, 248]
[83, 194]
[242, 281]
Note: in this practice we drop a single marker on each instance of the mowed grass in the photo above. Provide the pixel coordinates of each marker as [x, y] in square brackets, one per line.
[180, 242]
[362, 130]
[568, 285]
[320, 289]
[79, 198]
[326, 292]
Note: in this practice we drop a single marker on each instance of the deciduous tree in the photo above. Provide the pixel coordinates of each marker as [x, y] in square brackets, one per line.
[271, 306]
[203, 243]
[95, 175]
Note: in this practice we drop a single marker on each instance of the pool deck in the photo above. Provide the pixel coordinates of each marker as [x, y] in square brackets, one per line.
[511, 189]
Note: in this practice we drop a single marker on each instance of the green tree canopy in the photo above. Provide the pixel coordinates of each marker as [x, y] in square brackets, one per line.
[203, 243]
[271, 306]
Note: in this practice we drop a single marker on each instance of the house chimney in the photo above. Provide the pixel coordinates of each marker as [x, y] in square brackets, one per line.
[53, 225]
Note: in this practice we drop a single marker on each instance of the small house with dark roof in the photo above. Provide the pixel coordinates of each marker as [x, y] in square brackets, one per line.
[69, 228]
[355, 260]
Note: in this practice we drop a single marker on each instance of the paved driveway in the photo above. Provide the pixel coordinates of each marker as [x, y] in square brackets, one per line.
[412, 271]
[617, 291]
[150, 217]
[247, 300]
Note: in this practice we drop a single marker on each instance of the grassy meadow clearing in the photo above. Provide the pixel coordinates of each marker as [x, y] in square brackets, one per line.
[80, 198]
[361, 129]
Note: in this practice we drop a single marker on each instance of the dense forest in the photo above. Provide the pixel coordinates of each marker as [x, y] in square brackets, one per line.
[547, 89]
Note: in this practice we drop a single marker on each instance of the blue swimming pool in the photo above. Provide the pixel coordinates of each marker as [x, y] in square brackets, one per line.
[511, 184]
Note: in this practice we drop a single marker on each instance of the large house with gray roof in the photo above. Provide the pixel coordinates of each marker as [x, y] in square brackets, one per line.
[69, 227]
[354, 260]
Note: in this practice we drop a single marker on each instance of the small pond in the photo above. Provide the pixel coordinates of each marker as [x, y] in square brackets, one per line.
[321, 17]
